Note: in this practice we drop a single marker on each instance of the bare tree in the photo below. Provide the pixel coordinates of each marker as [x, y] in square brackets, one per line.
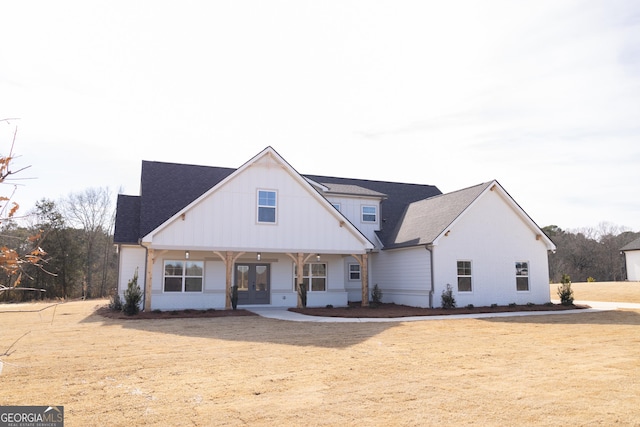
[92, 211]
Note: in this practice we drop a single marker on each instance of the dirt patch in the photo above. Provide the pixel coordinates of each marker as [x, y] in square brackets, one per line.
[173, 314]
[355, 310]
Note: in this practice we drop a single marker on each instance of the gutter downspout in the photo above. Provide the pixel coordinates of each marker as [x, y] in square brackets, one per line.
[146, 253]
[429, 248]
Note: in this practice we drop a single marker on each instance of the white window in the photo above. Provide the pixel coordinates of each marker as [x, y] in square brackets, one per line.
[464, 276]
[369, 214]
[314, 276]
[267, 204]
[522, 276]
[354, 271]
[183, 276]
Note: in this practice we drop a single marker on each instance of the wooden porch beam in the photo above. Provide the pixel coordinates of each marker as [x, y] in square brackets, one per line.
[148, 279]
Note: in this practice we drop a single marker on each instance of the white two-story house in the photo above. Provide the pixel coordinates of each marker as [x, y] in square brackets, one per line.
[193, 232]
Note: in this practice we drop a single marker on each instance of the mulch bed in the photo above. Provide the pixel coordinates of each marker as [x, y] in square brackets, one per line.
[173, 314]
[395, 310]
[352, 311]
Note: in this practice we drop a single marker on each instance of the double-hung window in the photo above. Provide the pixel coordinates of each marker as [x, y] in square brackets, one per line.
[183, 276]
[464, 276]
[267, 205]
[354, 271]
[522, 276]
[369, 214]
[314, 276]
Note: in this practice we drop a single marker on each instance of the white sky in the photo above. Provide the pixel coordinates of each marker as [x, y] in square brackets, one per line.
[543, 96]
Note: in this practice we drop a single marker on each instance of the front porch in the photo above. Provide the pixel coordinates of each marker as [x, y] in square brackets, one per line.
[194, 279]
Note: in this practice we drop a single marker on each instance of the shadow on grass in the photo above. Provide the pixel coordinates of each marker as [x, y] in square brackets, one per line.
[254, 329]
[612, 317]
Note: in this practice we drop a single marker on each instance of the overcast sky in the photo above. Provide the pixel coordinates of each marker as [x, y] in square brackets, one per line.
[543, 96]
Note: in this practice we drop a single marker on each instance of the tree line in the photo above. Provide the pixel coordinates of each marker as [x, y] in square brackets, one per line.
[588, 254]
[79, 258]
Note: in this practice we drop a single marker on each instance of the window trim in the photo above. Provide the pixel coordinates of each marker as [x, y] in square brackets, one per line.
[311, 276]
[470, 276]
[359, 272]
[375, 214]
[183, 277]
[518, 276]
[259, 206]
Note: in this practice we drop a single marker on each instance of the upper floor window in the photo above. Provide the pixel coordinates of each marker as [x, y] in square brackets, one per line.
[464, 276]
[336, 205]
[369, 214]
[267, 204]
[183, 276]
[522, 276]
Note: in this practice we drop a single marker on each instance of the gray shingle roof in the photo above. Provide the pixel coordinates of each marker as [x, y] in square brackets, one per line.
[351, 190]
[166, 188]
[425, 220]
[632, 246]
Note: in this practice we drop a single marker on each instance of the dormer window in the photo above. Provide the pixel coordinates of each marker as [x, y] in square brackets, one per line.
[369, 214]
[267, 204]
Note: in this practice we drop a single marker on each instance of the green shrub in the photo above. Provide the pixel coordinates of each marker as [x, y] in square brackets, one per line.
[512, 304]
[530, 304]
[115, 302]
[447, 298]
[470, 305]
[590, 279]
[302, 290]
[234, 297]
[132, 296]
[376, 295]
[494, 305]
[564, 290]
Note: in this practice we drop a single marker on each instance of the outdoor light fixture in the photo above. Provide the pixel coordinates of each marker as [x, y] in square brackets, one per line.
[318, 257]
[186, 254]
[258, 256]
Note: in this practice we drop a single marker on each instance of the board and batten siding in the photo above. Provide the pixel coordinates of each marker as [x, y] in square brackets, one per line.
[403, 275]
[227, 218]
[633, 265]
[351, 208]
[493, 237]
[132, 258]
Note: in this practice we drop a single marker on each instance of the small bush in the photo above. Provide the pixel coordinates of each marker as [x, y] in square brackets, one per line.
[564, 290]
[115, 303]
[156, 311]
[512, 304]
[447, 298]
[530, 304]
[234, 297]
[470, 305]
[132, 297]
[590, 279]
[376, 295]
[302, 290]
[329, 305]
[494, 305]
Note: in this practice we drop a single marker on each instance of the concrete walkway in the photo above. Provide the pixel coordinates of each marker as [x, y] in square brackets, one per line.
[284, 314]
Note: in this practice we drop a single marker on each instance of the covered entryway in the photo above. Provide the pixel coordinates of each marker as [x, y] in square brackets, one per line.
[253, 282]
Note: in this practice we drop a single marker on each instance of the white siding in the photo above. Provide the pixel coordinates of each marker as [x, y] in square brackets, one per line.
[213, 294]
[227, 218]
[493, 237]
[351, 208]
[131, 258]
[633, 265]
[403, 275]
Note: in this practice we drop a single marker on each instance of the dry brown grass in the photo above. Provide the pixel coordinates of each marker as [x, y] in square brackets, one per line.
[561, 369]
